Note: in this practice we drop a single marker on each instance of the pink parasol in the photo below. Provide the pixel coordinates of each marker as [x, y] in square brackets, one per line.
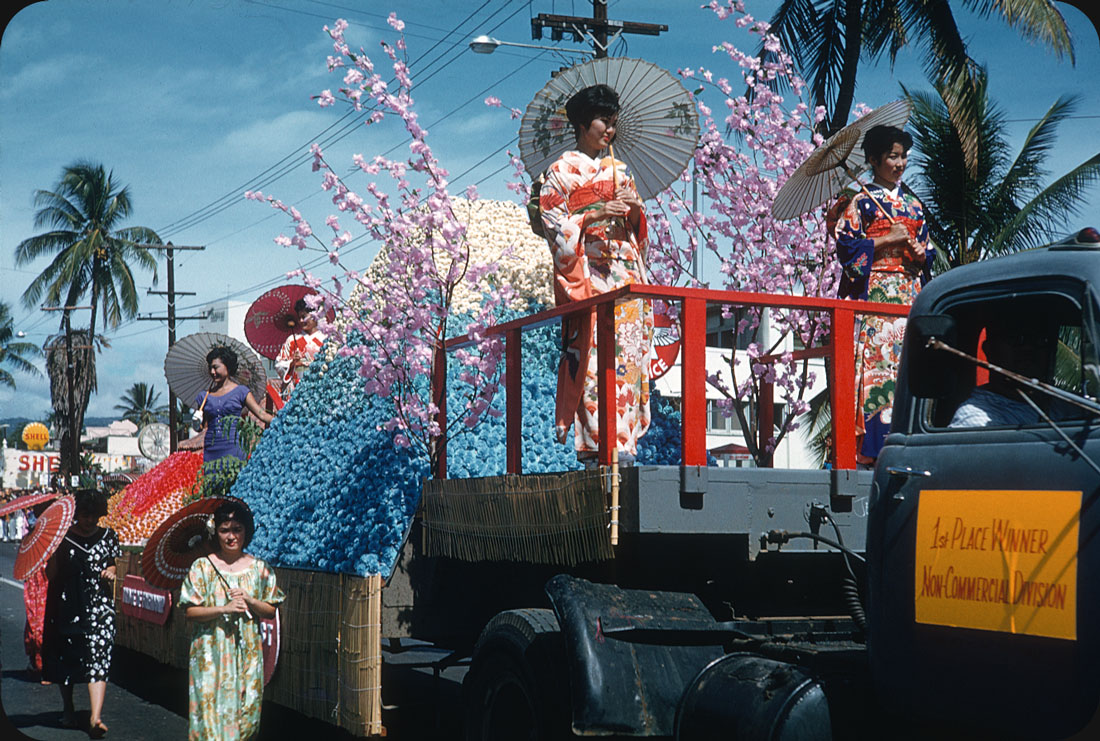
[178, 542]
[271, 318]
[45, 538]
[26, 501]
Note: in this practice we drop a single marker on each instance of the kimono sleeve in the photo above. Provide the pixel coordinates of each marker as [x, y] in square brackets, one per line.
[282, 361]
[855, 251]
[566, 234]
[194, 591]
[269, 591]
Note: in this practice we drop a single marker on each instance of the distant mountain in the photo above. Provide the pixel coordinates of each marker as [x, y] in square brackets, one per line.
[17, 423]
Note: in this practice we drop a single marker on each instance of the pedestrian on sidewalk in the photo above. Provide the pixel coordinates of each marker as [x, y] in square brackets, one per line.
[79, 630]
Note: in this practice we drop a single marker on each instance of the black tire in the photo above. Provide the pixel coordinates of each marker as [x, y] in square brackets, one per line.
[517, 688]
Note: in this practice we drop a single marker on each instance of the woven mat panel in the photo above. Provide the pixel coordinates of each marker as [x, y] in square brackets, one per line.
[558, 519]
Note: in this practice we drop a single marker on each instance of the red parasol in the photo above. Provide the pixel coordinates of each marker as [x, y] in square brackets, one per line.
[178, 542]
[26, 501]
[45, 538]
[271, 318]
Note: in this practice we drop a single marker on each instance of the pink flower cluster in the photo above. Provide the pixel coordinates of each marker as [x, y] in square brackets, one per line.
[747, 151]
[403, 307]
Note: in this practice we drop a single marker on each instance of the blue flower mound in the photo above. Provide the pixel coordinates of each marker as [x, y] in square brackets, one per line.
[331, 492]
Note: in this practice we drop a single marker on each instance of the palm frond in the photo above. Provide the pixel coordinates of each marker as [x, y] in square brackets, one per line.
[1048, 211]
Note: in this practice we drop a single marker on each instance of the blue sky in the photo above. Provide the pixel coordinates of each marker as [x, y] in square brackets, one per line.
[190, 103]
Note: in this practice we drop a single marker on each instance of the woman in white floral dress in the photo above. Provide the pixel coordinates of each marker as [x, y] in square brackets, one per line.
[79, 630]
[596, 225]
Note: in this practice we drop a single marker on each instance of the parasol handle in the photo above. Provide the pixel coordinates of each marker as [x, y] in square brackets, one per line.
[614, 170]
[226, 583]
[874, 200]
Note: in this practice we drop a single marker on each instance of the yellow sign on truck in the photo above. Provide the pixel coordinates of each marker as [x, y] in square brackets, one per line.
[998, 560]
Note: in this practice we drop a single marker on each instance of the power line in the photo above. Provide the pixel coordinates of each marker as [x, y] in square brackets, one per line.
[301, 154]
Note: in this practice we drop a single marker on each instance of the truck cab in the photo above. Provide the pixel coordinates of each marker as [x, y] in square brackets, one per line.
[983, 588]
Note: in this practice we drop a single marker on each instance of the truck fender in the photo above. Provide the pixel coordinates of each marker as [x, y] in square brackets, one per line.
[751, 698]
[624, 683]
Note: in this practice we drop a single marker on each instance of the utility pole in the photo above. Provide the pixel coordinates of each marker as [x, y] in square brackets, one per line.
[171, 293]
[74, 433]
[595, 29]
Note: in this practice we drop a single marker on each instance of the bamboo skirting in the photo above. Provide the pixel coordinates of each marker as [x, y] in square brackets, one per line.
[558, 519]
[330, 664]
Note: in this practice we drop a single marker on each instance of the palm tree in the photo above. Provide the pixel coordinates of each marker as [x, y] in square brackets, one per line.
[1008, 204]
[92, 251]
[829, 38]
[92, 254]
[84, 382]
[139, 405]
[14, 355]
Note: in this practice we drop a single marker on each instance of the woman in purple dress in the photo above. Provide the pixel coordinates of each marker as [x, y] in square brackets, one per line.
[225, 403]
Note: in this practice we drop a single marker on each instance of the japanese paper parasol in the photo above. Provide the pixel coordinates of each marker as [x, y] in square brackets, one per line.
[27, 500]
[271, 318]
[189, 376]
[179, 541]
[45, 537]
[657, 129]
[830, 167]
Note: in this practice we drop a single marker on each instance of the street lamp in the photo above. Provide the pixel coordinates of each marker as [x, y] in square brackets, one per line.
[487, 45]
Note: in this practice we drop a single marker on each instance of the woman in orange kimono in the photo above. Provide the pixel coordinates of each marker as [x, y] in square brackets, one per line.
[596, 226]
[882, 246]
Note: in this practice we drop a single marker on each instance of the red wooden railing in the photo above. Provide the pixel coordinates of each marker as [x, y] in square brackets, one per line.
[840, 353]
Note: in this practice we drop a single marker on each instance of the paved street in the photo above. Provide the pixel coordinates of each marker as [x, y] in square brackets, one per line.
[147, 700]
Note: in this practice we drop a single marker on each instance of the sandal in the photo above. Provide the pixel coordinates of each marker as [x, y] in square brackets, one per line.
[97, 730]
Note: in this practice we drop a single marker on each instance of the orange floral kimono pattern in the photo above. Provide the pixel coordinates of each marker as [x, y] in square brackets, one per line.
[226, 676]
[589, 260]
[306, 346]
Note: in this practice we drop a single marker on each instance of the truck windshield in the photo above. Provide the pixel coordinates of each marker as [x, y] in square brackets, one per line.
[1046, 336]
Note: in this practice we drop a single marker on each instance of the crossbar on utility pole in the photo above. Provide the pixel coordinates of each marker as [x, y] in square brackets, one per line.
[171, 293]
[595, 28]
[74, 434]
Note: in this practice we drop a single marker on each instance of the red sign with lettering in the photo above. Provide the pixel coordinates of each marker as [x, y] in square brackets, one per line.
[666, 345]
[269, 639]
[40, 462]
[143, 601]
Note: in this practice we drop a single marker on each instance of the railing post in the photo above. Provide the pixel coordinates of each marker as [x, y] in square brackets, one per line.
[608, 388]
[693, 409]
[513, 399]
[439, 398]
[842, 395]
[765, 423]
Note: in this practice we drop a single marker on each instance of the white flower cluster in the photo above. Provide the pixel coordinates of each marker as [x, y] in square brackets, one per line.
[497, 231]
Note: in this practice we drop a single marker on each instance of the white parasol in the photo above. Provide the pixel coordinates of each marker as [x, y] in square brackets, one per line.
[189, 376]
[829, 169]
[657, 129]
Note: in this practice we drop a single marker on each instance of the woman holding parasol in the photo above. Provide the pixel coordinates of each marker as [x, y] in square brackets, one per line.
[223, 404]
[224, 596]
[596, 226]
[883, 250]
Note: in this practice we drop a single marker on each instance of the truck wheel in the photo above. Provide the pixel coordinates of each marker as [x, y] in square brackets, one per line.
[516, 689]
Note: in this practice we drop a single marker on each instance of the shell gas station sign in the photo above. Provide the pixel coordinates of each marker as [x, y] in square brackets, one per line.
[26, 469]
[36, 435]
